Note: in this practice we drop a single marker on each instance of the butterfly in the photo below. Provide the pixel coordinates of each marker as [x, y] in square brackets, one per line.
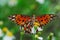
[27, 22]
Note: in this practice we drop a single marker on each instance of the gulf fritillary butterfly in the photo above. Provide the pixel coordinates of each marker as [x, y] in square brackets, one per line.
[27, 22]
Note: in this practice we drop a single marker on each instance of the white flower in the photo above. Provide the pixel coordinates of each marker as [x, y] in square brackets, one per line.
[41, 1]
[1, 33]
[40, 29]
[40, 38]
[33, 30]
[8, 37]
[12, 2]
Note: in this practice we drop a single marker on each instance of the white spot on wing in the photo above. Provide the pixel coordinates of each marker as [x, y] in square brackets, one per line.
[13, 19]
[13, 15]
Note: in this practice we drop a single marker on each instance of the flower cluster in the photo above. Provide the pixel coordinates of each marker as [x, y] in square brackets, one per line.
[5, 34]
[34, 30]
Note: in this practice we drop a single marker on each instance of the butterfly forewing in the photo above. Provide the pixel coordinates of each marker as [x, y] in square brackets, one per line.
[43, 20]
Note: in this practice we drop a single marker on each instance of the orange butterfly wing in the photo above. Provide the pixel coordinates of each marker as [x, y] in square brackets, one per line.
[19, 19]
[45, 19]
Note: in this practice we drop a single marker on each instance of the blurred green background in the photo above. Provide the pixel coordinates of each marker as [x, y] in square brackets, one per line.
[30, 7]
